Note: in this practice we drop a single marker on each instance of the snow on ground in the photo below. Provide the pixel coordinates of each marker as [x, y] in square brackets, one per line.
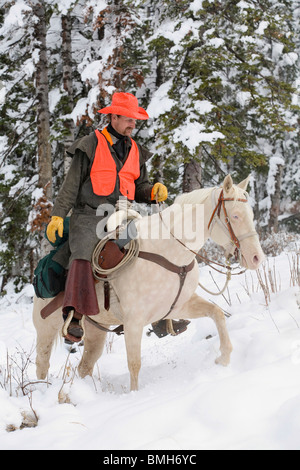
[185, 401]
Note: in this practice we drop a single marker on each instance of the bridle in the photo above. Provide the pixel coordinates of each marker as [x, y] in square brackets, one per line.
[234, 241]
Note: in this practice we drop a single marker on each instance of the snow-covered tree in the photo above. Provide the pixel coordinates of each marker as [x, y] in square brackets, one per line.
[19, 163]
[227, 96]
[220, 81]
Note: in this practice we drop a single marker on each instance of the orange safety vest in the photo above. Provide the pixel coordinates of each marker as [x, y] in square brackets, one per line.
[104, 169]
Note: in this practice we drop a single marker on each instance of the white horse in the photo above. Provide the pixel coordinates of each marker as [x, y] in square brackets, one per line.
[145, 291]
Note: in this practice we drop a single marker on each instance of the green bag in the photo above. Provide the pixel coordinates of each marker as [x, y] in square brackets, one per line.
[49, 276]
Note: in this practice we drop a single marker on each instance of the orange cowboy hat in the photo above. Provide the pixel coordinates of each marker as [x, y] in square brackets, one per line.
[125, 104]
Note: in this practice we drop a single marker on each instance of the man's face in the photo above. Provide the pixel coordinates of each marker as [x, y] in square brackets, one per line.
[122, 124]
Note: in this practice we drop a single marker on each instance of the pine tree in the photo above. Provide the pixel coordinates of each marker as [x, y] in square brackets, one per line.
[19, 175]
[42, 96]
[26, 190]
[229, 85]
[290, 185]
[67, 64]
[218, 79]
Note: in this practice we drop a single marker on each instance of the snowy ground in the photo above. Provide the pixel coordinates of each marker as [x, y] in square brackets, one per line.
[185, 400]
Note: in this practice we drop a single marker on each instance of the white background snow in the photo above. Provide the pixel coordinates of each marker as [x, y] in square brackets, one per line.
[185, 401]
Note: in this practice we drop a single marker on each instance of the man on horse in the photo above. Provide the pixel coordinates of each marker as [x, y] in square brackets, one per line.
[106, 165]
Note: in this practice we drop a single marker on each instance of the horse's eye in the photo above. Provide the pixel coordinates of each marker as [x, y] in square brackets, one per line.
[235, 217]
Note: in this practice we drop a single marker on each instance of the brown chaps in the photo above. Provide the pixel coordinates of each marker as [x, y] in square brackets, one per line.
[80, 293]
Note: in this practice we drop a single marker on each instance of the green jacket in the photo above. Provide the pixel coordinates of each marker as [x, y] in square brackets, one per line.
[76, 194]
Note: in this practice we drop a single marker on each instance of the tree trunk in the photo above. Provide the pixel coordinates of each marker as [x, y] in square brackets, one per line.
[43, 119]
[157, 168]
[256, 210]
[42, 90]
[192, 176]
[66, 27]
[275, 200]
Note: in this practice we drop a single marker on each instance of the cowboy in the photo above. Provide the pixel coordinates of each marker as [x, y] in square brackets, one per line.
[106, 165]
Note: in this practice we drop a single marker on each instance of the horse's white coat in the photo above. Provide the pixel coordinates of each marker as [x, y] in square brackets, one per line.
[146, 290]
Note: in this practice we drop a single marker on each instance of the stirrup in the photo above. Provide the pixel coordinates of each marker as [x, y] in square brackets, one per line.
[168, 327]
[68, 328]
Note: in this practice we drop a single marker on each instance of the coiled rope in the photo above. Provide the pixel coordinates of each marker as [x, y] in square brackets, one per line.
[108, 274]
[132, 253]
[132, 250]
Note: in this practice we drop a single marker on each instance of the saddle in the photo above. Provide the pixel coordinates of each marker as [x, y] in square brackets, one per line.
[113, 251]
[110, 257]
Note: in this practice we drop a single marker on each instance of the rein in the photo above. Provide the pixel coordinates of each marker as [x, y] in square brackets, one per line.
[221, 205]
[182, 271]
[233, 239]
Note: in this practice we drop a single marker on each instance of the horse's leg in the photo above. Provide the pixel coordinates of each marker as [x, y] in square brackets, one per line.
[197, 307]
[133, 339]
[94, 341]
[46, 330]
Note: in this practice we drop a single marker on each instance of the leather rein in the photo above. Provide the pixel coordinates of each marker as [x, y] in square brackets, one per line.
[182, 271]
[221, 205]
[234, 240]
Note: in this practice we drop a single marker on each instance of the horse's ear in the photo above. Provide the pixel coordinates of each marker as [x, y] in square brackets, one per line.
[244, 184]
[228, 183]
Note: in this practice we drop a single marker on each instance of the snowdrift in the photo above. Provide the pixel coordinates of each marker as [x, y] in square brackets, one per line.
[185, 401]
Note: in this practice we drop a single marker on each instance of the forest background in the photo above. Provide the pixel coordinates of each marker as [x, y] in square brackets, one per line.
[219, 79]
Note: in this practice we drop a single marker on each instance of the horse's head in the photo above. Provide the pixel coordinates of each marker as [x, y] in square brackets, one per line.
[232, 225]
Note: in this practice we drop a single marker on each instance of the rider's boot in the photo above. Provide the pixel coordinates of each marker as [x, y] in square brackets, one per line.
[169, 327]
[72, 328]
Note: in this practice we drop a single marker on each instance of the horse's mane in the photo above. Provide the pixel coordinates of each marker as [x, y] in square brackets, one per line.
[198, 196]
[194, 197]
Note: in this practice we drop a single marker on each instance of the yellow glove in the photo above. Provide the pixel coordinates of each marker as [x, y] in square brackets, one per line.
[159, 192]
[55, 224]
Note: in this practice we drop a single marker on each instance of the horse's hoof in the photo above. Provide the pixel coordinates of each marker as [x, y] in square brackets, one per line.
[223, 360]
[41, 375]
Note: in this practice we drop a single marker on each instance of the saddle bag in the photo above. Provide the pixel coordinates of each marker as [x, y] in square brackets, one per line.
[49, 276]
